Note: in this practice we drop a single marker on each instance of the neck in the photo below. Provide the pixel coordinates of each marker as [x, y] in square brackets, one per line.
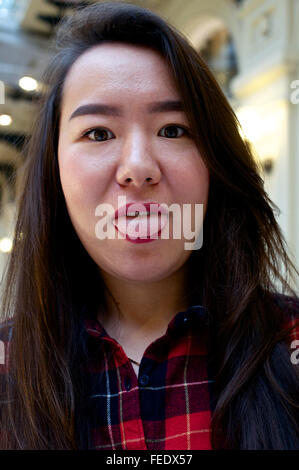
[144, 305]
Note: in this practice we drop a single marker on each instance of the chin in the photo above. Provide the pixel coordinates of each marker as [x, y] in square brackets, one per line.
[140, 272]
[154, 274]
[140, 266]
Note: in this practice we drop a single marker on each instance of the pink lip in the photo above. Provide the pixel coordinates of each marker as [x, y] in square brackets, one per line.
[153, 207]
[150, 207]
[139, 240]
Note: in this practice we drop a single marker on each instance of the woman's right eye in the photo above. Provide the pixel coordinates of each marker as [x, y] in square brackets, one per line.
[98, 134]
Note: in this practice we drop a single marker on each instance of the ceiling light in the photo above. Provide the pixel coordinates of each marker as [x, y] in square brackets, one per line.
[28, 83]
[5, 120]
[5, 245]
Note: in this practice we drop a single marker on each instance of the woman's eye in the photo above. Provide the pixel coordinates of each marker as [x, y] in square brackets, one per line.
[174, 131]
[99, 135]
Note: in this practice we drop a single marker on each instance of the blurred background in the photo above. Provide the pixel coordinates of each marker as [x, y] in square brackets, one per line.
[252, 46]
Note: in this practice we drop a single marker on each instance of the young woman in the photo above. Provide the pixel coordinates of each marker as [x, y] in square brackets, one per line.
[140, 343]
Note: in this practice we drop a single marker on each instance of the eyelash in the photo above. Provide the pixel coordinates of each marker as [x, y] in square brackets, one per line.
[87, 133]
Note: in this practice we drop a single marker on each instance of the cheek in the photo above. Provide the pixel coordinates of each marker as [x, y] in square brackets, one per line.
[190, 178]
[83, 180]
[83, 186]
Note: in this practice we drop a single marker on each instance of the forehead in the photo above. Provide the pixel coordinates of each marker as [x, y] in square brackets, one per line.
[113, 67]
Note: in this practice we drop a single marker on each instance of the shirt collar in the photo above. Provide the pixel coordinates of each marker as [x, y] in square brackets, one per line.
[194, 315]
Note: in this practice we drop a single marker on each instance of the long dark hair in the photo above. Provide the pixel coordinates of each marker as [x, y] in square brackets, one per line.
[51, 281]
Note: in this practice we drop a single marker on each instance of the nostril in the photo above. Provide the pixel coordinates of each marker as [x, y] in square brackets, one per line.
[148, 179]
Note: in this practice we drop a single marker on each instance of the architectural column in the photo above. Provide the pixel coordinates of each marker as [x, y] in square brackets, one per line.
[268, 66]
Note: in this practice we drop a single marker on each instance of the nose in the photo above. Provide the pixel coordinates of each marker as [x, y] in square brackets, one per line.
[138, 165]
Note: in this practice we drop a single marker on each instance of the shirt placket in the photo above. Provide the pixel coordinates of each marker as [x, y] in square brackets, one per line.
[130, 422]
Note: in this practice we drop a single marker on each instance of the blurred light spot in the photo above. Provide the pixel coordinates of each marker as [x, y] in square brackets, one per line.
[5, 245]
[28, 83]
[5, 120]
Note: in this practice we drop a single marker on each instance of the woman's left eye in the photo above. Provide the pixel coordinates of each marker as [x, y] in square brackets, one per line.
[173, 131]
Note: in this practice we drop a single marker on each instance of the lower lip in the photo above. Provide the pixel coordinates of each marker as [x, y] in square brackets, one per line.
[141, 240]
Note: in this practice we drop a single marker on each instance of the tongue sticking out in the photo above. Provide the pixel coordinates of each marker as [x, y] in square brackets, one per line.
[142, 226]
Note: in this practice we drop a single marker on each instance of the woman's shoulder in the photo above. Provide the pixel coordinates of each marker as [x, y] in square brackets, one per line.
[288, 305]
[289, 311]
[287, 301]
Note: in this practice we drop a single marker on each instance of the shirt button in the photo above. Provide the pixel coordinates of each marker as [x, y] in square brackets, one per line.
[127, 383]
[144, 379]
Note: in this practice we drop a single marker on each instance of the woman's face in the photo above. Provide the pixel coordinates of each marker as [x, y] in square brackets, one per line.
[133, 149]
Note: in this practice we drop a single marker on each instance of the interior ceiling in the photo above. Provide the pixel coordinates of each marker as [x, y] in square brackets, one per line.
[25, 51]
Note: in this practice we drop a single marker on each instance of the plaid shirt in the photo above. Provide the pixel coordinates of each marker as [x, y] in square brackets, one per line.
[169, 405]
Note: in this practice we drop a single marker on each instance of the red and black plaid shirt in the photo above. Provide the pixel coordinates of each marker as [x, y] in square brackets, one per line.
[169, 405]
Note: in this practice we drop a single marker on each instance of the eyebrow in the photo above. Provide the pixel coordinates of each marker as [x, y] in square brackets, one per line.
[108, 110]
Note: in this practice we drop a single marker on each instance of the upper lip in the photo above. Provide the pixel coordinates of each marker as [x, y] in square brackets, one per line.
[151, 208]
